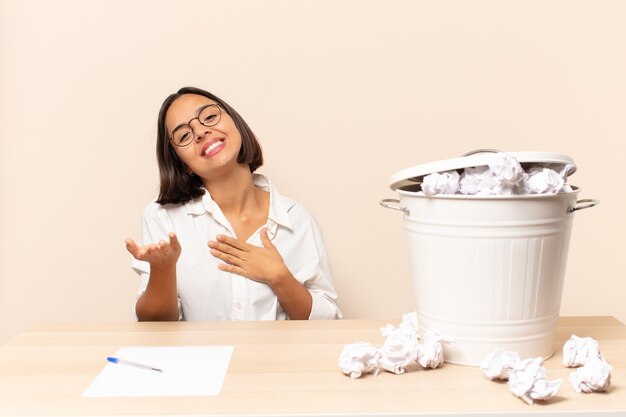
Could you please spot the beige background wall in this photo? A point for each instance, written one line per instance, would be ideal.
(342, 94)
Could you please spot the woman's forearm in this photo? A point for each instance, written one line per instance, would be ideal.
(295, 299)
(160, 300)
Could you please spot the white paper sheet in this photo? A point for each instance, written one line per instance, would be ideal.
(187, 371)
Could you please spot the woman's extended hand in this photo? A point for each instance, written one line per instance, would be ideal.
(159, 300)
(160, 255)
(263, 264)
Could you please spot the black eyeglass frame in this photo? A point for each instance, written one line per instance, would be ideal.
(188, 124)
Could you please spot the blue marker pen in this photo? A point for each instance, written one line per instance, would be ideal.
(133, 364)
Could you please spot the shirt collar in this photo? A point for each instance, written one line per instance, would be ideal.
(279, 205)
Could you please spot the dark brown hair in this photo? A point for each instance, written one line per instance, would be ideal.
(177, 186)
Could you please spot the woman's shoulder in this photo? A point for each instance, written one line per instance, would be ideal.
(298, 213)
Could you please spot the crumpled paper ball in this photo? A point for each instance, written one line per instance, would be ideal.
(577, 350)
(441, 183)
(358, 358)
(499, 364)
(430, 351)
(508, 173)
(399, 349)
(593, 376)
(477, 181)
(528, 380)
(543, 181)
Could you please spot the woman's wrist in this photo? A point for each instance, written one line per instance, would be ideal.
(280, 279)
(162, 268)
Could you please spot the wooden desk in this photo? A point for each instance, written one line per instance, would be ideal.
(283, 368)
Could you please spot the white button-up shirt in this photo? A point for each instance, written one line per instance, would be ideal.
(207, 293)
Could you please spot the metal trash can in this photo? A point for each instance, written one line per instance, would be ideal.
(488, 271)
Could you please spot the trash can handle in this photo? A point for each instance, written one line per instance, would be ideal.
(481, 151)
(392, 203)
(583, 204)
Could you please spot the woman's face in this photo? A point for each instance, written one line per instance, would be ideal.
(212, 147)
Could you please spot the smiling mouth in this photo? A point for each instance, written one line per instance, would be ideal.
(212, 147)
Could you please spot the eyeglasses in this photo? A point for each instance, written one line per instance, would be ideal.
(209, 115)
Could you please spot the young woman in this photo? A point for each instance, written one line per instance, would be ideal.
(220, 242)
